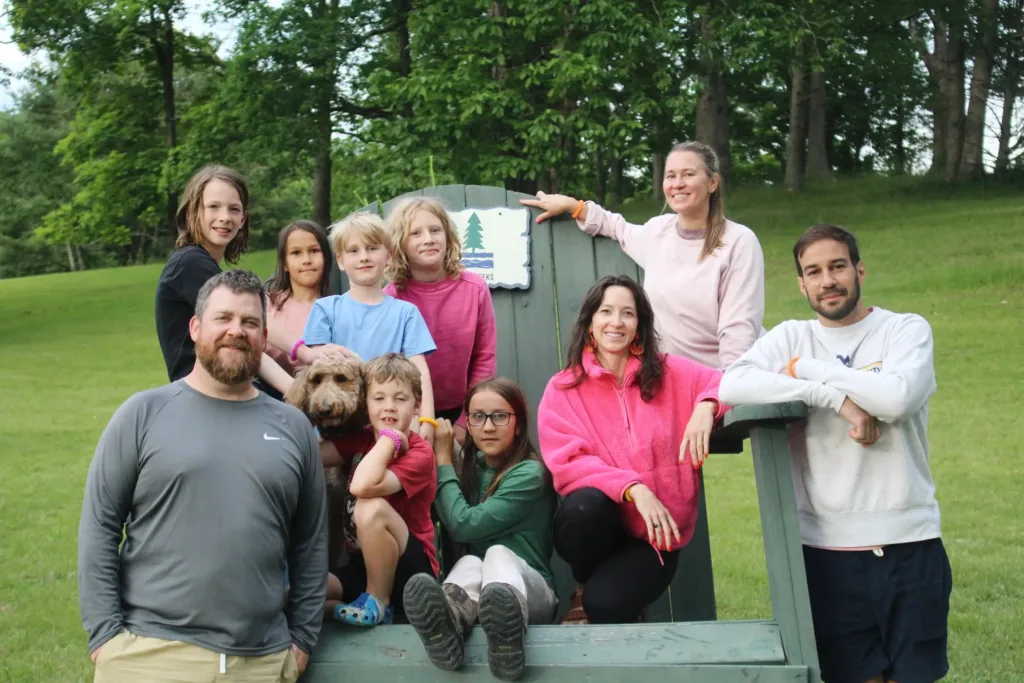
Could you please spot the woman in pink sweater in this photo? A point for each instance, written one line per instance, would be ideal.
(703, 273)
(624, 430)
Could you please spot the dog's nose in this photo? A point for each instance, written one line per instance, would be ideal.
(324, 412)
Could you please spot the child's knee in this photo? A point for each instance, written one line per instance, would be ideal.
(334, 587)
(371, 511)
(499, 555)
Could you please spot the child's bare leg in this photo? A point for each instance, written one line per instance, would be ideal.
(334, 593)
(383, 537)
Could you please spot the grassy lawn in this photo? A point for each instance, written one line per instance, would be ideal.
(74, 346)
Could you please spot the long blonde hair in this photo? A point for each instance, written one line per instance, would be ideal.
(400, 224)
(716, 209)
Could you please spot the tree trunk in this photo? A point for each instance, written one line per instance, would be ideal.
(322, 169)
(954, 91)
(797, 124)
(1005, 125)
(164, 50)
(71, 257)
(601, 173)
(818, 168)
(616, 174)
(900, 153)
(402, 42)
(658, 175)
(972, 163)
(712, 103)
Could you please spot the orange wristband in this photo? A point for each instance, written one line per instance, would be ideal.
(429, 421)
(791, 368)
(578, 211)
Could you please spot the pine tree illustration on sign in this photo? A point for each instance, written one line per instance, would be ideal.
(474, 233)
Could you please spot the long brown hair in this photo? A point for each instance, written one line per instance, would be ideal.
(400, 224)
(522, 447)
(189, 217)
(279, 287)
(716, 209)
(652, 368)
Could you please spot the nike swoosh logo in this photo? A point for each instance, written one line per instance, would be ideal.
(267, 437)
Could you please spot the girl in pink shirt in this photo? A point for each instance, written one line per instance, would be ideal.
(624, 430)
(703, 273)
(426, 270)
(301, 277)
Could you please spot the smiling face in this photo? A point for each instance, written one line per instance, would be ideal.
(615, 322)
(831, 283)
(222, 215)
(363, 262)
(426, 243)
(390, 404)
(304, 259)
(230, 336)
(687, 184)
(492, 424)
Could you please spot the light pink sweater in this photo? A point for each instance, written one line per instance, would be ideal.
(460, 316)
(710, 311)
(604, 436)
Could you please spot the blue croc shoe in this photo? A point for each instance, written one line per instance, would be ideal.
(366, 610)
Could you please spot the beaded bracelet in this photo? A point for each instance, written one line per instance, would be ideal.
(296, 348)
(394, 436)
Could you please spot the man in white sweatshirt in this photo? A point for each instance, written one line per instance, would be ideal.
(877, 572)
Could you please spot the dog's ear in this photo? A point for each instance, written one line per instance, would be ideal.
(298, 393)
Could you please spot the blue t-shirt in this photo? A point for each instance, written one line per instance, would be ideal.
(391, 326)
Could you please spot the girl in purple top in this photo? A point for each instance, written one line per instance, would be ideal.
(426, 270)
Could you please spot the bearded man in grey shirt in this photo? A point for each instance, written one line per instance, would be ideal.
(217, 490)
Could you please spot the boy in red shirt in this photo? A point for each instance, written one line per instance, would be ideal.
(392, 487)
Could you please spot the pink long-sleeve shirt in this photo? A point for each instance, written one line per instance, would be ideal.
(710, 311)
(602, 435)
(460, 316)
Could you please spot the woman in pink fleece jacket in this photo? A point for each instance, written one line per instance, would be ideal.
(703, 273)
(624, 430)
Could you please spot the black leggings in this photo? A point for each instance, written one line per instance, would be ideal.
(620, 575)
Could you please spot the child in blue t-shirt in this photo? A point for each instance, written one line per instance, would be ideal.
(364, 321)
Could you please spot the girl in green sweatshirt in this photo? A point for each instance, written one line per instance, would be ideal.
(499, 509)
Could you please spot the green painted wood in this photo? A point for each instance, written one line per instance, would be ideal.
(611, 260)
(738, 642)
(737, 422)
(780, 527)
(698, 673)
(453, 196)
(537, 342)
(505, 321)
(575, 272)
(691, 595)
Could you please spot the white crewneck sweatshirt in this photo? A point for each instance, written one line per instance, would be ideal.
(848, 495)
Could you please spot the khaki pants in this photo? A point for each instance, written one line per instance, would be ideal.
(128, 658)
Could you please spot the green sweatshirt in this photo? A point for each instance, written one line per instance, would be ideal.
(517, 515)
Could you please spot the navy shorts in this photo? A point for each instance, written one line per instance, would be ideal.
(881, 615)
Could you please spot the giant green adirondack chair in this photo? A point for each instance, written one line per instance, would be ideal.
(682, 641)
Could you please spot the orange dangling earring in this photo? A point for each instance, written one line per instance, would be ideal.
(592, 344)
(636, 349)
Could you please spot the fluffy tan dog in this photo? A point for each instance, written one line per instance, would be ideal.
(332, 394)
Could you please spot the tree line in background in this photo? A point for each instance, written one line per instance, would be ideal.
(327, 105)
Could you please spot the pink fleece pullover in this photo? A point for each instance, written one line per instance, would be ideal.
(710, 311)
(601, 435)
(460, 316)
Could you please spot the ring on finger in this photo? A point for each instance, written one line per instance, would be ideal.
(656, 525)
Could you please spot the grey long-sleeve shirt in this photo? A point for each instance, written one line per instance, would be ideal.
(215, 498)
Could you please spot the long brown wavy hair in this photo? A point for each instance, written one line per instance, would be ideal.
(279, 286)
(716, 210)
(652, 367)
(522, 447)
(189, 217)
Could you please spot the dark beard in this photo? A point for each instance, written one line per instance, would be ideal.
(841, 312)
(239, 372)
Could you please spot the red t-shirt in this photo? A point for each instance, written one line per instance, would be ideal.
(416, 470)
